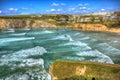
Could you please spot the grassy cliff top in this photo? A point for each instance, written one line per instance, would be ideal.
(76, 70)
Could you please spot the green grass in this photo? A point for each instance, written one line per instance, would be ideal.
(66, 70)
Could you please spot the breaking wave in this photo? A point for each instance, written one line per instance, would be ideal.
(6, 40)
(21, 55)
(98, 56)
(21, 60)
(63, 37)
(19, 34)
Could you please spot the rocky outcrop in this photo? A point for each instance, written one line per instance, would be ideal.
(76, 70)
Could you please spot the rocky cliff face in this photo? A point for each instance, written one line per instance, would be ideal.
(36, 23)
(96, 27)
(23, 23)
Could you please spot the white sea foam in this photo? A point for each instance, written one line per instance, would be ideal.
(103, 60)
(84, 38)
(77, 34)
(63, 37)
(11, 30)
(36, 73)
(69, 37)
(22, 55)
(59, 37)
(41, 32)
(6, 40)
(31, 62)
(46, 31)
(93, 40)
(74, 58)
(78, 43)
(19, 34)
(99, 56)
(108, 48)
(115, 41)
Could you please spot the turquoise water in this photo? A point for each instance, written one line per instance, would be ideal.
(23, 51)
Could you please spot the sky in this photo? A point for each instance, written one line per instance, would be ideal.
(12, 7)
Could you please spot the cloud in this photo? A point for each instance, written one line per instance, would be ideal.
(83, 8)
(53, 10)
(24, 8)
(59, 10)
(71, 9)
(63, 4)
(55, 4)
(86, 4)
(16, 10)
(47, 10)
(84, 11)
(24, 13)
(0, 11)
(102, 9)
(80, 4)
(13, 9)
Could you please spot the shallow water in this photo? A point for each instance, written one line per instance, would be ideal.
(25, 48)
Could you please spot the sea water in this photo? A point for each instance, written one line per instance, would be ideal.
(27, 54)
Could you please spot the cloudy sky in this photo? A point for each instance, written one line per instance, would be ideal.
(8, 7)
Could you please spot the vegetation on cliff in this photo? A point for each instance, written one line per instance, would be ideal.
(75, 70)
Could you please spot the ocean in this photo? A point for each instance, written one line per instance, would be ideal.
(26, 54)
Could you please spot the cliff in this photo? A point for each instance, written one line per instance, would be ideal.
(38, 23)
(23, 23)
(93, 27)
(76, 70)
